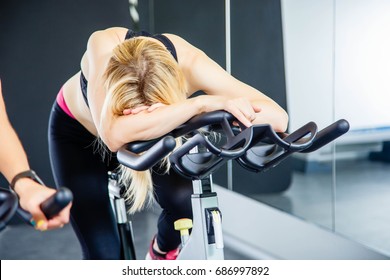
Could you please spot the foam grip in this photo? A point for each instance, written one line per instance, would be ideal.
(328, 134)
(55, 203)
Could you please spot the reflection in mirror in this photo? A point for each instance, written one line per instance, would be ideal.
(308, 53)
(362, 87)
(336, 66)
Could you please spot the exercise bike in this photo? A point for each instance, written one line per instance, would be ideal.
(256, 148)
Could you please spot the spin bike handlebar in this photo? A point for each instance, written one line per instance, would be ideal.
(50, 207)
(256, 148)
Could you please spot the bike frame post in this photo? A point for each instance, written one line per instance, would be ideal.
(124, 224)
(205, 240)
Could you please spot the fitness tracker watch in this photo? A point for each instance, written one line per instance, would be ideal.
(25, 174)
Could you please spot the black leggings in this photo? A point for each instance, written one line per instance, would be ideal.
(78, 165)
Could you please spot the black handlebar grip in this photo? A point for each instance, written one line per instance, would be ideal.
(51, 206)
(55, 203)
(328, 134)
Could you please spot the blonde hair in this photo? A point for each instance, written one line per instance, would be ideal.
(141, 72)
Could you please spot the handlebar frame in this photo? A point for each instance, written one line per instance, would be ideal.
(9, 205)
(256, 148)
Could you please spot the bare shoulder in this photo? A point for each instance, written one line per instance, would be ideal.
(104, 41)
(114, 34)
(99, 49)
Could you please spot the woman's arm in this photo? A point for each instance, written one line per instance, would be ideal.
(224, 92)
(204, 74)
(13, 160)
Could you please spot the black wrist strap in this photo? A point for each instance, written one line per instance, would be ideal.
(25, 174)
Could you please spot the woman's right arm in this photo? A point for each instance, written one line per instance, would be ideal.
(13, 160)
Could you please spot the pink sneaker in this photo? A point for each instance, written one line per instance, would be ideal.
(153, 255)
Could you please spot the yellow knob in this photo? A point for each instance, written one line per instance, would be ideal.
(183, 225)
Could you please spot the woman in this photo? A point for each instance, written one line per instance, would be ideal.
(135, 86)
(15, 168)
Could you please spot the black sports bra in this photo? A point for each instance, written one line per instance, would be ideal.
(130, 34)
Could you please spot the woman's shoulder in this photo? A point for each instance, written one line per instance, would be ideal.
(114, 32)
(106, 38)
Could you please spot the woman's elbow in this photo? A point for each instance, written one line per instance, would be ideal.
(113, 147)
(111, 141)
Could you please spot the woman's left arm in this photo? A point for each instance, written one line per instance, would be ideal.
(202, 73)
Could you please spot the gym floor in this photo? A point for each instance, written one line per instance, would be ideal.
(21, 242)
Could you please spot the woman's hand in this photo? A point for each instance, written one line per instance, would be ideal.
(245, 111)
(31, 195)
(142, 108)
